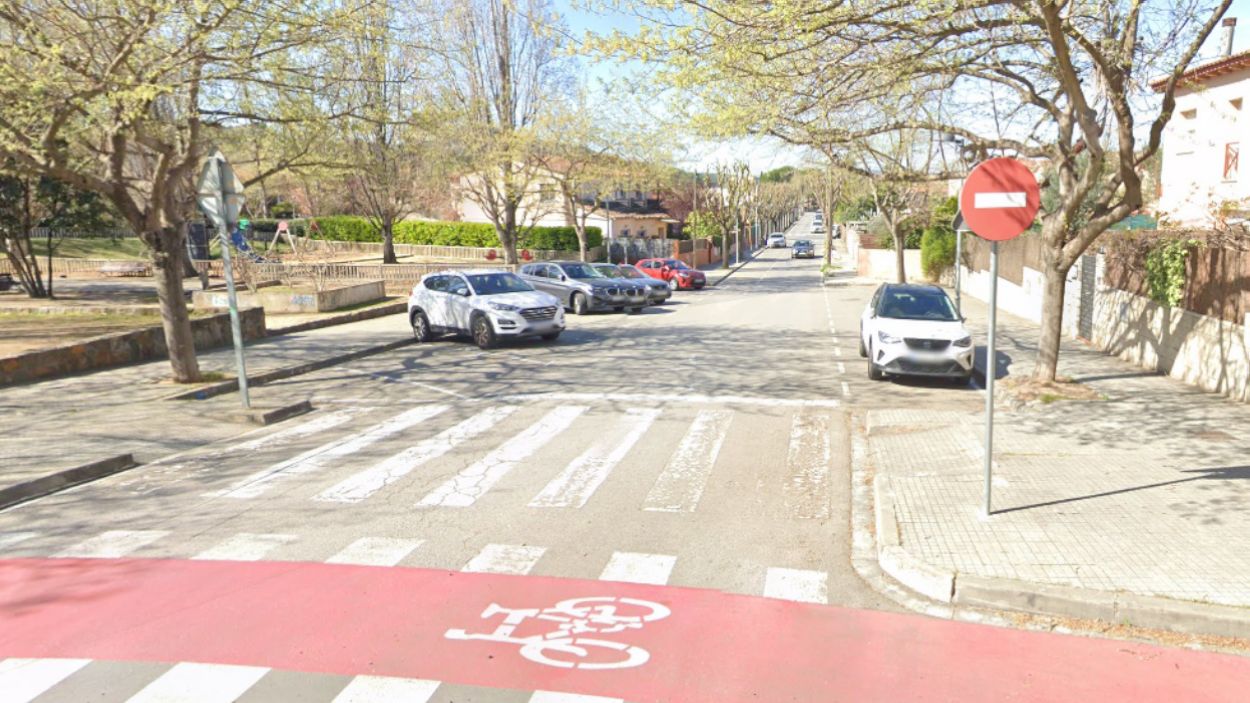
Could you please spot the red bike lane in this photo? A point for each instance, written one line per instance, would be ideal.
(631, 641)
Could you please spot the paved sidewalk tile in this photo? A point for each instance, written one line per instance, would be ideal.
(1147, 491)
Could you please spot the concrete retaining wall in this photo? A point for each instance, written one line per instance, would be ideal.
(123, 348)
(881, 263)
(296, 301)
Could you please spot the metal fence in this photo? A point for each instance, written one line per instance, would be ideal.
(632, 249)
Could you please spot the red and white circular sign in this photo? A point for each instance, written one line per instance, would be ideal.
(999, 200)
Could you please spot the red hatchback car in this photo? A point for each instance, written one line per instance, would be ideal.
(674, 272)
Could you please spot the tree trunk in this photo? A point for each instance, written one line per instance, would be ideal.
(1055, 277)
(828, 241)
(388, 241)
(167, 262)
(507, 236)
(581, 240)
(900, 254)
(724, 250)
(25, 263)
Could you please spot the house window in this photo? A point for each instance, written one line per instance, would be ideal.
(1232, 159)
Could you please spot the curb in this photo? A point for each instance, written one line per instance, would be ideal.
(262, 416)
(260, 379)
(348, 318)
(732, 270)
(969, 592)
(68, 478)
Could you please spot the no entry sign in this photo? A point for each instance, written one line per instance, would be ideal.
(1000, 199)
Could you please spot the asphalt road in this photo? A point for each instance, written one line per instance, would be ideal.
(655, 507)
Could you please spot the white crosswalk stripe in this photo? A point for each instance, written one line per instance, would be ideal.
(314, 425)
(200, 683)
(808, 470)
(557, 697)
(633, 567)
(312, 460)
(681, 484)
(375, 551)
(23, 680)
(463, 489)
(10, 539)
(581, 478)
(800, 585)
(383, 689)
(113, 544)
(245, 546)
(505, 559)
(378, 476)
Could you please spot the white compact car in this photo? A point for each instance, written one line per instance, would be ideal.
(776, 240)
(488, 305)
(913, 330)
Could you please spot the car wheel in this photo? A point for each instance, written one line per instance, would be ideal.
(579, 304)
(635, 311)
(874, 371)
(673, 284)
(551, 337)
(863, 350)
(483, 333)
(421, 327)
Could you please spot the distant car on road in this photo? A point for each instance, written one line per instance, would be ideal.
(913, 330)
(674, 272)
(488, 305)
(582, 289)
(818, 227)
(776, 240)
(803, 249)
(657, 290)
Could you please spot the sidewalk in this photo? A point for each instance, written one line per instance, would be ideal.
(1102, 508)
(65, 422)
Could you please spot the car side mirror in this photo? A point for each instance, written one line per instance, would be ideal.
(563, 277)
(465, 293)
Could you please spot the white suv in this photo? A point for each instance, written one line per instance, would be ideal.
(487, 305)
(913, 330)
(776, 240)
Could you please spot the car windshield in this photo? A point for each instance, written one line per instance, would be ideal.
(802, 243)
(608, 270)
(581, 271)
(917, 305)
(674, 263)
(496, 283)
(630, 272)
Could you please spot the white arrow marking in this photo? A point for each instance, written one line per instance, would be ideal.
(988, 201)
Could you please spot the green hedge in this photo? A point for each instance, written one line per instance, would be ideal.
(937, 245)
(351, 228)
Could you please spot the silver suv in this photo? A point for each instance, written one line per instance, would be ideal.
(487, 304)
(582, 289)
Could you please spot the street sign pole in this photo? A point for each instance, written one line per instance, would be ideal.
(991, 371)
(236, 330)
(959, 250)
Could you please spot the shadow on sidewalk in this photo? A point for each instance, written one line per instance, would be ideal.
(1221, 474)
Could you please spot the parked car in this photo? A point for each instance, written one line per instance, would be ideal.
(803, 249)
(776, 240)
(674, 272)
(489, 305)
(582, 289)
(657, 291)
(913, 330)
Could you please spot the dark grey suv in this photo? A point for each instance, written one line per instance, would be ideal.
(582, 289)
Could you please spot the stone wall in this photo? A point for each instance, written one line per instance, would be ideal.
(123, 348)
(288, 301)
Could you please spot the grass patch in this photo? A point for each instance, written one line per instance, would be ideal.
(95, 248)
(213, 376)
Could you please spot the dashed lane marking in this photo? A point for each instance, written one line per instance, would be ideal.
(505, 559)
(633, 567)
(113, 544)
(799, 585)
(370, 689)
(23, 680)
(376, 551)
(200, 683)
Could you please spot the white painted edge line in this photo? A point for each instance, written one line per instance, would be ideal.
(200, 683)
(633, 567)
(23, 680)
(846, 390)
(505, 559)
(800, 585)
(998, 201)
(691, 398)
(841, 367)
(371, 689)
(558, 697)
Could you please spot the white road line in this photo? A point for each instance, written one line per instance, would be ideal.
(633, 567)
(841, 367)
(463, 489)
(9, 539)
(23, 680)
(558, 697)
(317, 424)
(583, 476)
(505, 559)
(797, 585)
(846, 390)
(245, 546)
(396, 379)
(690, 398)
(364, 484)
(313, 459)
(113, 544)
(837, 350)
(200, 683)
(808, 472)
(375, 551)
(681, 483)
(371, 689)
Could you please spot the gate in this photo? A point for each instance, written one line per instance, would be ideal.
(1089, 279)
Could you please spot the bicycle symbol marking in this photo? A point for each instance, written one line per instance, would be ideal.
(566, 646)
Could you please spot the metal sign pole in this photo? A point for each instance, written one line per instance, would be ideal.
(236, 329)
(991, 370)
(959, 250)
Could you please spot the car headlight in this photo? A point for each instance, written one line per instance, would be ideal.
(504, 307)
(963, 341)
(887, 338)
